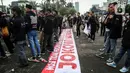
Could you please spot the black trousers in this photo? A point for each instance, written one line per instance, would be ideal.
(102, 32)
(2, 52)
(9, 44)
(60, 30)
(121, 53)
(48, 42)
(92, 36)
(78, 29)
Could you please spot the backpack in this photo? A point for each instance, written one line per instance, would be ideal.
(33, 21)
(5, 31)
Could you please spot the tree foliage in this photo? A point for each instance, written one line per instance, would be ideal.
(62, 6)
(70, 4)
(34, 4)
(127, 8)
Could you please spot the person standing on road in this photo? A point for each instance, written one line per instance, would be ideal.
(48, 32)
(102, 30)
(6, 38)
(2, 52)
(78, 24)
(60, 24)
(125, 48)
(56, 26)
(19, 35)
(31, 23)
(42, 23)
(115, 32)
(93, 25)
(113, 25)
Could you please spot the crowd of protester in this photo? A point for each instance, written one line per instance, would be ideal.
(18, 29)
(113, 26)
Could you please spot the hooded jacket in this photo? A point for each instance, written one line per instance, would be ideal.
(31, 21)
(116, 27)
(49, 24)
(18, 28)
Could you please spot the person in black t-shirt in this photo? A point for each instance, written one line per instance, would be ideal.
(48, 32)
(79, 22)
(19, 36)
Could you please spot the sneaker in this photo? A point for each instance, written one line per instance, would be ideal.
(91, 41)
(42, 59)
(28, 45)
(102, 49)
(77, 37)
(113, 64)
(22, 66)
(109, 60)
(43, 53)
(100, 55)
(124, 70)
(50, 50)
(33, 59)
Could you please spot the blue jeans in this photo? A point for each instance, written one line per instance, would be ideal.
(113, 43)
(121, 54)
(107, 33)
(107, 42)
(111, 46)
(33, 41)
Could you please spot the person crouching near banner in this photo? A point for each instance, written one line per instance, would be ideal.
(18, 31)
(125, 48)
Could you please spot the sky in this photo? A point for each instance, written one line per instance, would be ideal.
(84, 5)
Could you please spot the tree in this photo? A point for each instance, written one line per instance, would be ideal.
(127, 8)
(63, 11)
(48, 1)
(63, 2)
(71, 11)
(59, 5)
(70, 5)
(34, 4)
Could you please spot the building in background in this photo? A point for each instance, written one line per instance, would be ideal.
(77, 6)
(96, 5)
(111, 1)
(19, 3)
(128, 1)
